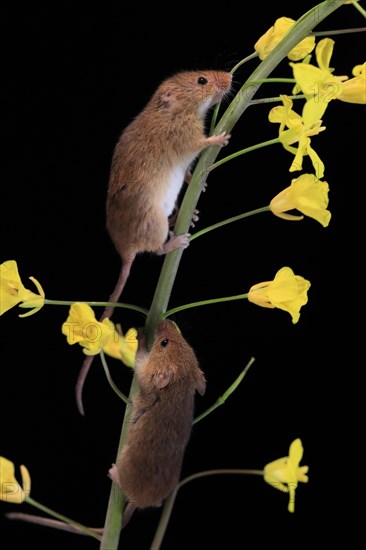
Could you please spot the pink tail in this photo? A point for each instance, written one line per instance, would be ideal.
(108, 312)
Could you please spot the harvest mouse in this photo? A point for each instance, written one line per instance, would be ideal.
(149, 165)
(151, 160)
(149, 464)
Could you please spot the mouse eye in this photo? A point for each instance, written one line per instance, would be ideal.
(202, 80)
(164, 342)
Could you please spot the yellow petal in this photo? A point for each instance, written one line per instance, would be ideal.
(314, 110)
(318, 164)
(274, 472)
(354, 89)
(302, 49)
(11, 286)
(359, 69)
(123, 347)
(275, 34)
(82, 327)
(296, 452)
(306, 194)
(10, 490)
(129, 348)
(26, 480)
(12, 290)
(323, 53)
(288, 292)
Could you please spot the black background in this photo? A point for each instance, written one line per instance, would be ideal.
(72, 81)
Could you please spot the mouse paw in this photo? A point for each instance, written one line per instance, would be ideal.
(113, 474)
(174, 242)
(195, 218)
(221, 139)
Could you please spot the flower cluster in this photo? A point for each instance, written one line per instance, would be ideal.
(81, 327)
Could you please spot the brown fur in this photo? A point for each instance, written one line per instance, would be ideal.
(149, 165)
(149, 465)
(169, 132)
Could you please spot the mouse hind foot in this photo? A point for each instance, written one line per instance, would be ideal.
(174, 242)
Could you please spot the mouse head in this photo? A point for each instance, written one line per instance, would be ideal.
(170, 360)
(195, 90)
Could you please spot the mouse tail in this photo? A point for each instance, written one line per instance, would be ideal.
(114, 297)
(122, 279)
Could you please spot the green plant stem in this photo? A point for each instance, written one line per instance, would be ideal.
(359, 8)
(234, 111)
(275, 99)
(221, 400)
(217, 107)
(169, 503)
(340, 31)
(117, 500)
(64, 519)
(95, 304)
(248, 58)
(227, 221)
(243, 152)
(109, 378)
(203, 303)
(270, 80)
(54, 523)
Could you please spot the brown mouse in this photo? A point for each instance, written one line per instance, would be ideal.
(150, 163)
(149, 464)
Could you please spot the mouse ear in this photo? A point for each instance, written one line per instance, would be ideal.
(201, 385)
(162, 378)
(165, 99)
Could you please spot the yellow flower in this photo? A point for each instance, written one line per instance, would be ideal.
(12, 290)
(274, 35)
(306, 194)
(284, 473)
(354, 89)
(123, 347)
(81, 327)
(317, 83)
(297, 132)
(287, 292)
(10, 489)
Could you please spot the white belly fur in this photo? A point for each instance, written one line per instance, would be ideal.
(172, 188)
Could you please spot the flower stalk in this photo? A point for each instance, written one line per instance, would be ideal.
(236, 108)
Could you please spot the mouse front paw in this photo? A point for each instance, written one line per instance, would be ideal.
(220, 140)
(113, 474)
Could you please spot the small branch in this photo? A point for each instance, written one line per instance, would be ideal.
(275, 99)
(55, 524)
(338, 31)
(169, 503)
(109, 378)
(243, 152)
(63, 519)
(248, 58)
(221, 400)
(204, 303)
(96, 304)
(229, 220)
